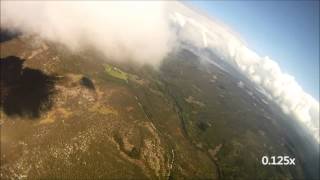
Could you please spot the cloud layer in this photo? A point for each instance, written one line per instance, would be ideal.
(141, 32)
(121, 30)
(265, 72)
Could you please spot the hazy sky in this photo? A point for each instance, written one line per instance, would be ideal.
(286, 31)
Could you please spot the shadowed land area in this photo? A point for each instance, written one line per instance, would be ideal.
(7, 35)
(24, 91)
(87, 82)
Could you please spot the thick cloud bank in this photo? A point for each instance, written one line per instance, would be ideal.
(265, 72)
(142, 32)
(121, 30)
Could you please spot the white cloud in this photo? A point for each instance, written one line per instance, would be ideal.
(265, 72)
(122, 30)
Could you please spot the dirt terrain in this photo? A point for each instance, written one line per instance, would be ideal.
(77, 115)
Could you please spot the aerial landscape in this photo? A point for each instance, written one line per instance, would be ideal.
(150, 102)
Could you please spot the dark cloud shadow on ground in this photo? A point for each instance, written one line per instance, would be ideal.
(25, 92)
(6, 35)
(86, 82)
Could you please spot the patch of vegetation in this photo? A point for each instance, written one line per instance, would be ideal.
(116, 73)
(98, 108)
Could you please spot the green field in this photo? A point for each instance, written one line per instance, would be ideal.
(116, 73)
